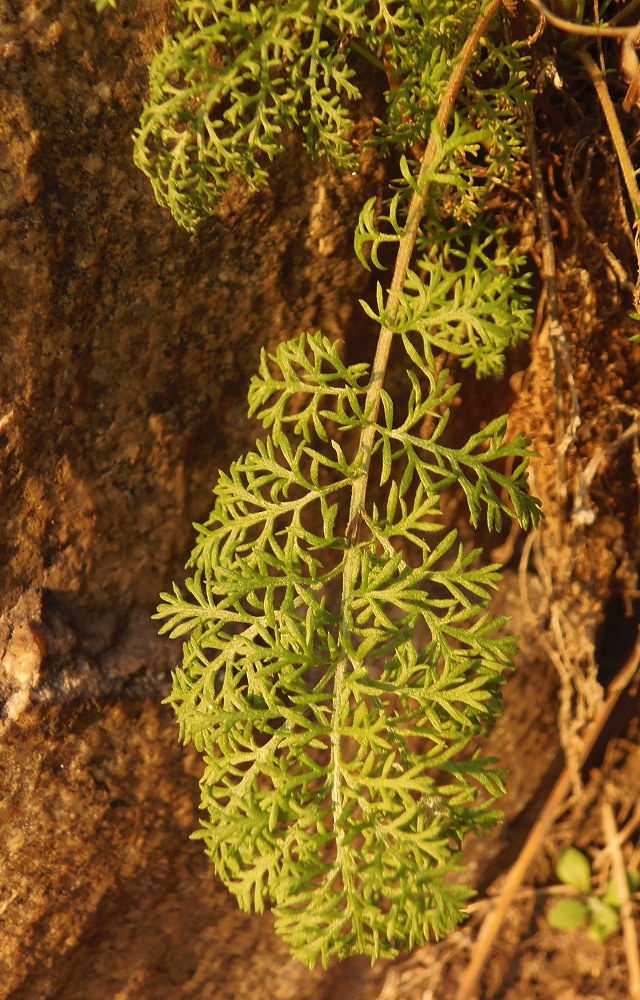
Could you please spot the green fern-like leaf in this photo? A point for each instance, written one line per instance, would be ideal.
(418, 42)
(237, 76)
(339, 654)
(335, 787)
(224, 89)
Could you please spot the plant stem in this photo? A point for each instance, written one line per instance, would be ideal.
(600, 84)
(372, 406)
(585, 30)
(629, 933)
(468, 986)
(405, 252)
(362, 51)
(625, 12)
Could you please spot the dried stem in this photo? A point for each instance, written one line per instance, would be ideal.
(601, 245)
(600, 84)
(493, 922)
(585, 30)
(629, 933)
(563, 438)
(372, 402)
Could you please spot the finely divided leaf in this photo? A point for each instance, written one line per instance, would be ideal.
(336, 785)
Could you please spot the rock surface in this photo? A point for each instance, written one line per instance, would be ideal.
(126, 348)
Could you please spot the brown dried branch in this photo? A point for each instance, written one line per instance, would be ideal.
(582, 513)
(629, 932)
(600, 84)
(586, 30)
(493, 922)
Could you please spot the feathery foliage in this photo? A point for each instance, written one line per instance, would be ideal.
(226, 88)
(332, 731)
(339, 656)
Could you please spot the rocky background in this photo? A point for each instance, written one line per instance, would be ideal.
(126, 347)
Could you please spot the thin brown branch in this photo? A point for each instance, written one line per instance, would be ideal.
(621, 837)
(583, 514)
(616, 266)
(600, 84)
(629, 933)
(493, 922)
(627, 11)
(585, 30)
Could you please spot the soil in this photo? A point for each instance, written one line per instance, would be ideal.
(126, 349)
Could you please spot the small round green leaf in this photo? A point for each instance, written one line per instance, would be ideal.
(574, 869)
(605, 920)
(568, 914)
(611, 895)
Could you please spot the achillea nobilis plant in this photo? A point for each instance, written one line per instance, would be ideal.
(339, 656)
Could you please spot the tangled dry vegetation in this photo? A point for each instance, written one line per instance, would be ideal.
(577, 400)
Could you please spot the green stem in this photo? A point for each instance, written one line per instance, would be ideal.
(405, 252)
(355, 45)
(372, 403)
(600, 84)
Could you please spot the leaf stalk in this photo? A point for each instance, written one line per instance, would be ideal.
(372, 403)
(405, 252)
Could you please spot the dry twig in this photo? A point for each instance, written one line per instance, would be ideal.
(626, 908)
(610, 30)
(493, 922)
(621, 837)
(583, 514)
(600, 85)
